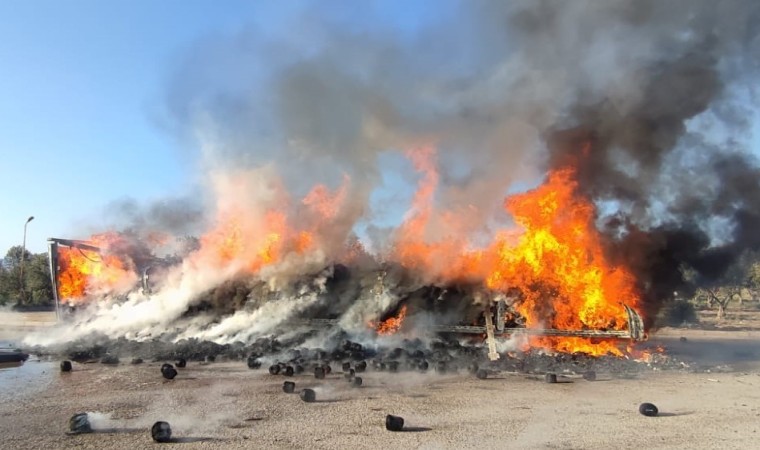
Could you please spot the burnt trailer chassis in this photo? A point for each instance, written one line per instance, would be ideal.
(492, 331)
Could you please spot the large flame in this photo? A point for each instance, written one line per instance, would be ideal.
(559, 267)
(85, 272)
(552, 264)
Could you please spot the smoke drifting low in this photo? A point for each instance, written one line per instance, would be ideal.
(646, 100)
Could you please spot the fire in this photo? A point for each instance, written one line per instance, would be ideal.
(555, 260)
(84, 272)
(559, 266)
(392, 324)
(552, 263)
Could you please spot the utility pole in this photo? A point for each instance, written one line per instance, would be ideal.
(23, 254)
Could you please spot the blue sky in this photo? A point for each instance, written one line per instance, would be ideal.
(79, 84)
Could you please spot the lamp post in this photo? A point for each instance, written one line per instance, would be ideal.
(23, 253)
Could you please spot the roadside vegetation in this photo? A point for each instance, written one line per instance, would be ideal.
(36, 289)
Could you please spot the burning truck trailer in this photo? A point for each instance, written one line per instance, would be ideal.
(469, 312)
(98, 259)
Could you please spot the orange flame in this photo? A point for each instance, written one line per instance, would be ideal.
(84, 272)
(560, 268)
(392, 324)
(556, 261)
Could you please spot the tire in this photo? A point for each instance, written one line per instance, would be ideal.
(319, 373)
(356, 382)
(346, 366)
(289, 371)
(423, 366)
(181, 363)
(361, 366)
(274, 369)
(550, 378)
(65, 366)
(648, 409)
(288, 387)
(482, 374)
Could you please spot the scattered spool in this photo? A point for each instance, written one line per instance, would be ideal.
(356, 382)
(161, 432)
(589, 376)
(136, 361)
(394, 423)
(319, 373)
(361, 366)
(110, 360)
(253, 362)
(289, 371)
(550, 378)
(65, 366)
(482, 374)
(80, 423)
(181, 363)
(648, 409)
(288, 387)
(274, 369)
(308, 395)
(168, 371)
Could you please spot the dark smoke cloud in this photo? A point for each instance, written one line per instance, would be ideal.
(179, 216)
(505, 90)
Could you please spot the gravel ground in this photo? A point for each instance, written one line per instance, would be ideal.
(226, 405)
(713, 402)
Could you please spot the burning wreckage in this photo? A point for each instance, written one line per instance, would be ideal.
(108, 263)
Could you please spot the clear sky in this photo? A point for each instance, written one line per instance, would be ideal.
(79, 84)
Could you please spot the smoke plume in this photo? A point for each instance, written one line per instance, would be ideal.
(648, 101)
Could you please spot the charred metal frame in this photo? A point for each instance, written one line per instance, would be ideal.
(635, 331)
(53, 244)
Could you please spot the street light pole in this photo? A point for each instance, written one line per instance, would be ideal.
(23, 253)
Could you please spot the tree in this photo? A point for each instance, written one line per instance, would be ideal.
(38, 283)
(38, 286)
(721, 296)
